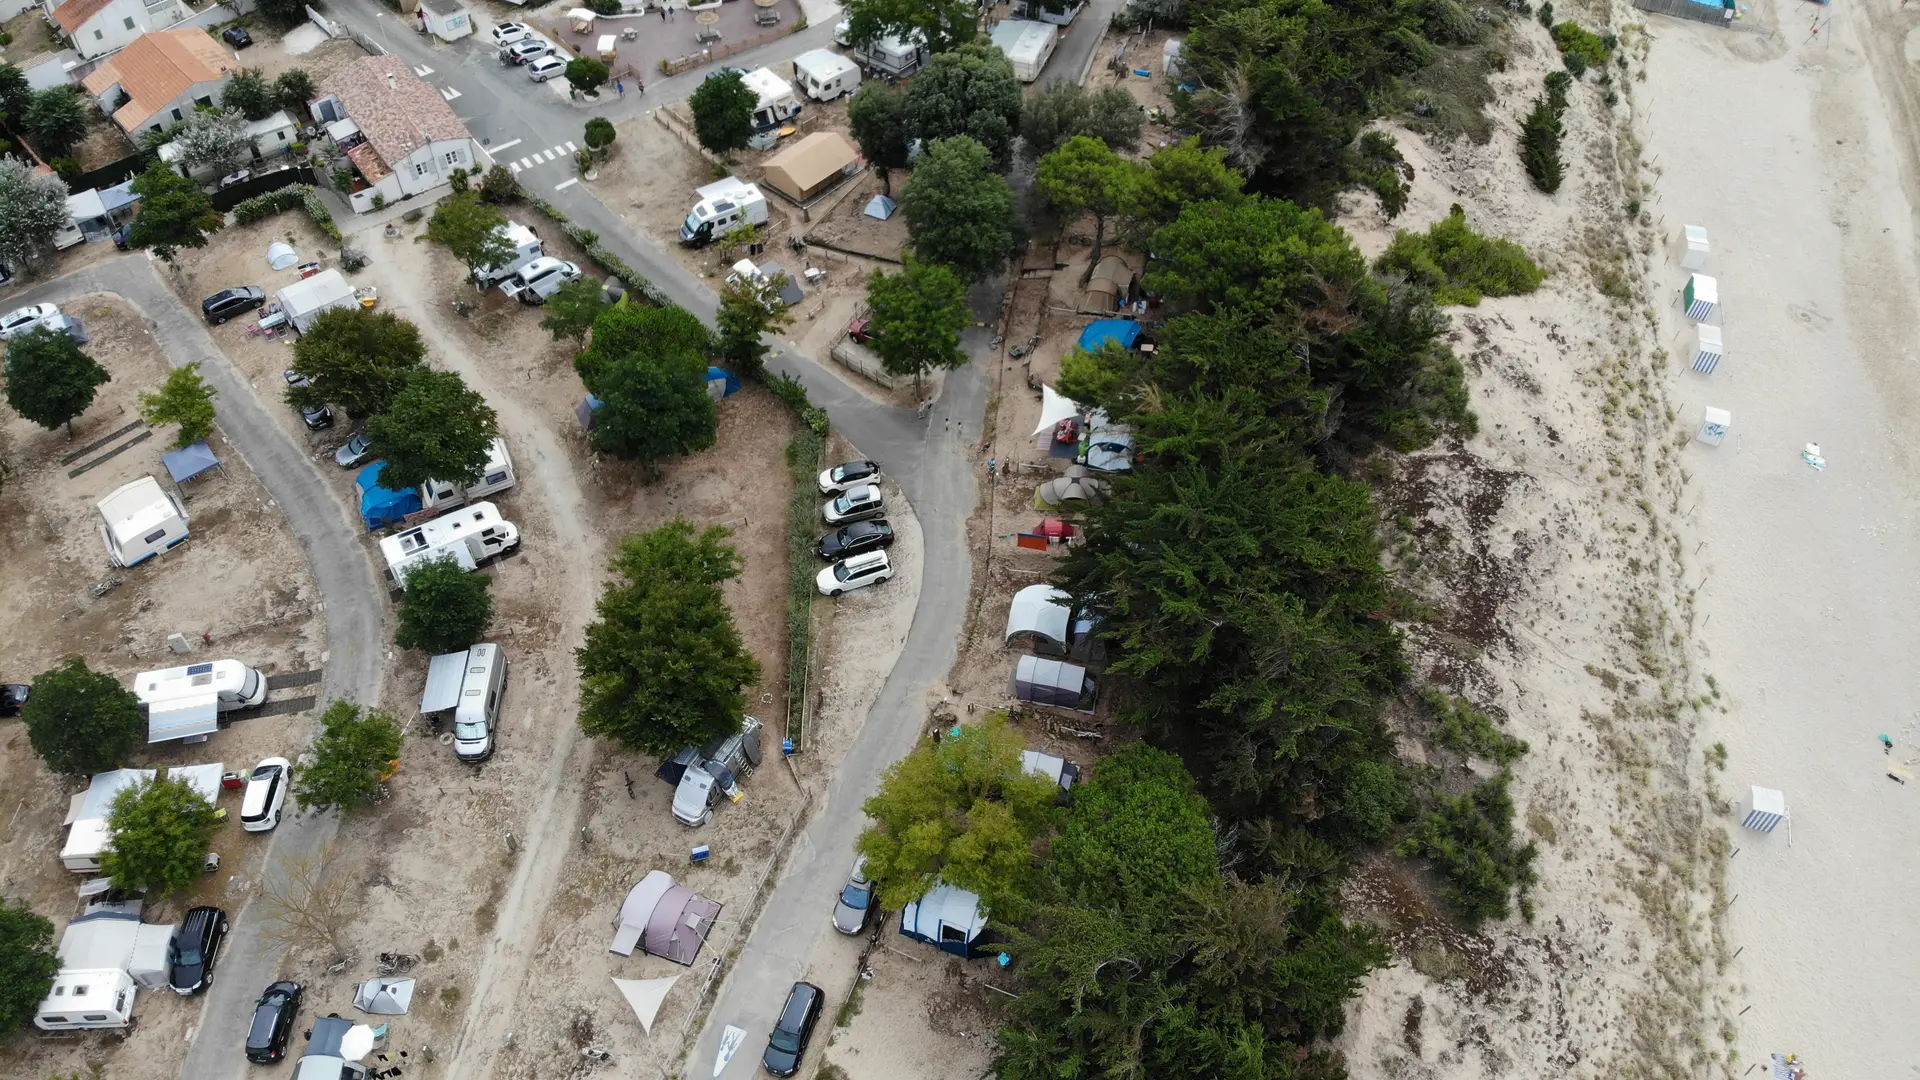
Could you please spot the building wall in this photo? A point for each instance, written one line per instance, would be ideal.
(198, 93)
(449, 27)
(112, 29)
(429, 166)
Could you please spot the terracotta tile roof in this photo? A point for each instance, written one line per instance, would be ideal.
(157, 68)
(397, 110)
(368, 159)
(74, 14)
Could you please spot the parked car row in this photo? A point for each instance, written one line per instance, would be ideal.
(857, 550)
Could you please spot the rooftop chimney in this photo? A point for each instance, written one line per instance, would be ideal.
(392, 84)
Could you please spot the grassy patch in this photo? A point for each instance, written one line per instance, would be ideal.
(1470, 842)
(1449, 97)
(803, 457)
(850, 1008)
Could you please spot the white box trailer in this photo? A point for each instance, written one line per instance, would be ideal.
(725, 207)
(824, 75)
(892, 57)
(1027, 45)
(303, 301)
(139, 520)
(469, 536)
(87, 811)
(776, 104)
(499, 476)
(526, 248)
(186, 702)
(97, 999)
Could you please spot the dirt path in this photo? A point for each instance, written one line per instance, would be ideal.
(546, 478)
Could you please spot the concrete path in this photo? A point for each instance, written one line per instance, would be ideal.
(350, 597)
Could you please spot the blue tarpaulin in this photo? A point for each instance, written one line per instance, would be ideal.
(1123, 331)
(189, 461)
(728, 378)
(584, 411)
(379, 506)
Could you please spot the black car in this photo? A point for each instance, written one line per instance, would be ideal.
(856, 538)
(227, 303)
(13, 696)
(788, 1043)
(194, 948)
(317, 417)
(236, 36)
(273, 1017)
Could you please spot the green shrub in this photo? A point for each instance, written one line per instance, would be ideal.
(803, 457)
(1546, 14)
(498, 186)
(1540, 146)
(1558, 83)
(1470, 731)
(1469, 840)
(1458, 264)
(265, 206)
(1581, 48)
(1376, 163)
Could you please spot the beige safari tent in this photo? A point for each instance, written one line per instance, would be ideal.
(812, 166)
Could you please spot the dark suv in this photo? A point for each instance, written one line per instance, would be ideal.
(273, 1017)
(195, 947)
(315, 417)
(227, 303)
(856, 538)
(788, 1043)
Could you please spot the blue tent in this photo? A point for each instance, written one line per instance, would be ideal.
(379, 506)
(584, 411)
(726, 378)
(1124, 331)
(190, 461)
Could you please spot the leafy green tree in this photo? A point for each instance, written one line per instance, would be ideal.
(1459, 265)
(472, 230)
(284, 13)
(571, 311)
(587, 75)
(963, 812)
(498, 186)
(970, 91)
(1063, 110)
(663, 666)
(174, 213)
(49, 380)
(648, 367)
(185, 399)
(1180, 176)
(1540, 136)
(1260, 254)
(959, 211)
(159, 832)
(28, 964)
(749, 310)
(215, 138)
(354, 752)
(295, 89)
(943, 24)
(444, 609)
(917, 317)
(878, 118)
(357, 359)
(600, 134)
(723, 112)
(251, 93)
(81, 721)
(57, 119)
(32, 210)
(435, 429)
(1086, 177)
(1139, 836)
(1470, 841)
(16, 93)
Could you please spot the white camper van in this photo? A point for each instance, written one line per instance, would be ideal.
(140, 520)
(887, 57)
(1027, 45)
(469, 536)
(87, 1000)
(526, 248)
(724, 207)
(440, 495)
(776, 104)
(469, 685)
(824, 75)
(185, 702)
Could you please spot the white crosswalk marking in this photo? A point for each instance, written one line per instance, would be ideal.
(423, 71)
(526, 163)
(546, 155)
(515, 166)
(504, 146)
(449, 93)
(568, 184)
(572, 149)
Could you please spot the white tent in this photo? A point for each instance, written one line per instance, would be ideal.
(646, 996)
(1043, 611)
(384, 997)
(280, 255)
(1054, 407)
(303, 301)
(637, 909)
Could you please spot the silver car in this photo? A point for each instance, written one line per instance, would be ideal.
(353, 452)
(856, 903)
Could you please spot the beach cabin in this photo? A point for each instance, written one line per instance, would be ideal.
(1702, 295)
(1708, 349)
(140, 520)
(1693, 248)
(1713, 426)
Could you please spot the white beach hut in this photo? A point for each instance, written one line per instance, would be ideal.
(1708, 348)
(1765, 809)
(1713, 426)
(1702, 296)
(1693, 247)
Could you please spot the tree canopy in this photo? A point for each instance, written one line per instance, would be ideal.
(472, 230)
(356, 359)
(587, 74)
(444, 609)
(917, 316)
(1084, 176)
(28, 964)
(970, 91)
(58, 120)
(648, 367)
(159, 832)
(959, 211)
(1063, 110)
(435, 428)
(570, 312)
(663, 666)
(1179, 176)
(215, 138)
(963, 812)
(174, 213)
(880, 123)
(49, 380)
(355, 750)
(749, 310)
(722, 108)
(81, 721)
(942, 24)
(184, 399)
(252, 93)
(296, 88)
(32, 210)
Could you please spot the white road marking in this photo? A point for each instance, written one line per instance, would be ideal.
(503, 146)
(526, 163)
(515, 166)
(449, 93)
(423, 71)
(568, 184)
(572, 149)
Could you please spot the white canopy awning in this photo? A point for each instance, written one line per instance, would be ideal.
(646, 997)
(1054, 407)
(183, 717)
(444, 673)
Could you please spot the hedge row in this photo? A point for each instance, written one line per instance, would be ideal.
(248, 211)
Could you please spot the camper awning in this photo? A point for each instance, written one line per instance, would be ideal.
(444, 673)
(184, 718)
(189, 461)
(1054, 407)
(1041, 610)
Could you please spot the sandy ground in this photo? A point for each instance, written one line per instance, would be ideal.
(241, 578)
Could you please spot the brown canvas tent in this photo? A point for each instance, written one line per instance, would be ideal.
(1107, 289)
(812, 165)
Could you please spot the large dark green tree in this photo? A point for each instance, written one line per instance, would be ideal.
(159, 832)
(648, 367)
(942, 24)
(28, 964)
(663, 666)
(749, 310)
(174, 213)
(474, 231)
(1085, 176)
(878, 118)
(252, 93)
(1177, 177)
(959, 210)
(435, 428)
(917, 317)
(970, 91)
(49, 380)
(1063, 110)
(357, 359)
(722, 107)
(58, 120)
(445, 608)
(356, 749)
(82, 721)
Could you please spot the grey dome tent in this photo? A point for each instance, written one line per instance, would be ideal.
(384, 997)
(1053, 682)
(880, 207)
(667, 920)
(1042, 612)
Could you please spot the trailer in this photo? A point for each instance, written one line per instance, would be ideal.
(139, 520)
(775, 104)
(86, 823)
(469, 536)
(1027, 45)
(824, 75)
(498, 476)
(304, 300)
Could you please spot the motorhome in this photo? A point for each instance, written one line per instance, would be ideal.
(469, 536)
(184, 702)
(438, 495)
(469, 685)
(887, 57)
(776, 104)
(95, 999)
(139, 520)
(724, 207)
(526, 248)
(324, 1058)
(824, 75)
(86, 823)
(700, 775)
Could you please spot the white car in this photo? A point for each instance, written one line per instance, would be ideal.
(867, 568)
(266, 793)
(539, 279)
(21, 320)
(854, 504)
(545, 68)
(843, 476)
(507, 33)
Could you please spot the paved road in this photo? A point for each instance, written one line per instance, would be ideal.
(352, 599)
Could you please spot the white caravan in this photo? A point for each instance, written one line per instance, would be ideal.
(469, 536)
(776, 104)
(824, 75)
(87, 1000)
(140, 520)
(440, 495)
(185, 702)
(87, 811)
(526, 248)
(1027, 45)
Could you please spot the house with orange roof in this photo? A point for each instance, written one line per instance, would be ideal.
(157, 80)
(400, 134)
(98, 27)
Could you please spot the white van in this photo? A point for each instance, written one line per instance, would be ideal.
(499, 476)
(731, 208)
(539, 279)
(526, 248)
(475, 718)
(824, 75)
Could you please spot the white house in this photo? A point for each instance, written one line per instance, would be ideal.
(272, 135)
(447, 20)
(400, 134)
(98, 27)
(155, 82)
